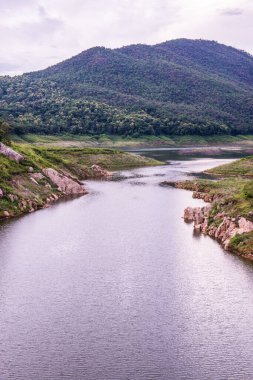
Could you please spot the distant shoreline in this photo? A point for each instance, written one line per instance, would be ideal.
(114, 141)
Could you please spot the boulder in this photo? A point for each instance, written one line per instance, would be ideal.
(65, 184)
(37, 176)
(8, 152)
(99, 172)
(189, 214)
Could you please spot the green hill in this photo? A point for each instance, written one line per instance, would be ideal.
(175, 88)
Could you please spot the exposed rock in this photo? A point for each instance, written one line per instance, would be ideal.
(196, 214)
(99, 172)
(200, 195)
(6, 214)
(8, 152)
(34, 180)
(30, 169)
(55, 196)
(37, 176)
(65, 184)
(12, 197)
(22, 205)
(223, 231)
(189, 214)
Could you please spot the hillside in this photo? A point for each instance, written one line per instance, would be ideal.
(175, 88)
(34, 177)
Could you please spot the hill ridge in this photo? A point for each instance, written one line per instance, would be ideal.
(180, 86)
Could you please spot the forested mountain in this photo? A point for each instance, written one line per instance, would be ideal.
(177, 87)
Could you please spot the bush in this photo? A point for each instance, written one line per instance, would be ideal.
(4, 130)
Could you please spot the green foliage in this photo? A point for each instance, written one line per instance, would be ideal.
(234, 189)
(242, 167)
(4, 130)
(181, 87)
(242, 244)
(247, 192)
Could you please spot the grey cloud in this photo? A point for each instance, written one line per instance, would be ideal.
(14, 4)
(232, 12)
(39, 30)
(39, 33)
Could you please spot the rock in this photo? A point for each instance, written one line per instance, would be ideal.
(34, 180)
(22, 205)
(12, 197)
(6, 214)
(8, 152)
(225, 231)
(189, 214)
(200, 195)
(99, 172)
(65, 184)
(37, 176)
(198, 215)
(30, 169)
(1, 193)
(205, 226)
(245, 225)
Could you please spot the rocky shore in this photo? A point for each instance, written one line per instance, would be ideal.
(233, 232)
(30, 188)
(220, 227)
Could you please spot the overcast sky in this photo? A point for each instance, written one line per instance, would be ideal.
(39, 33)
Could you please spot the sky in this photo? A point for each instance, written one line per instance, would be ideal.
(36, 34)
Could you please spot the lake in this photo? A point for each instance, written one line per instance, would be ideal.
(115, 286)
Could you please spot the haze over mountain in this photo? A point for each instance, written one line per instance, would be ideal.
(177, 87)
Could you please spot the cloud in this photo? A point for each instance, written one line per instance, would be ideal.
(8, 67)
(232, 12)
(39, 33)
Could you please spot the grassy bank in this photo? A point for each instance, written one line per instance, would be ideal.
(232, 194)
(24, 187)
(145, 141)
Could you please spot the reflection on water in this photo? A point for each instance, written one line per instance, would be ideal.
(186, 154)
(115, 286)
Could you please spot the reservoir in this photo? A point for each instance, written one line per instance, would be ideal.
(115, 286)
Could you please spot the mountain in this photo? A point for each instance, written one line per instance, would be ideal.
(176, 87)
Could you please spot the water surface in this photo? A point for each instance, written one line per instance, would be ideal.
(115, 286)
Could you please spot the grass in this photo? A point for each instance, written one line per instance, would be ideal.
(121, 141)
(240, 168)
(76, 162)
(233, 194)
(242, 244)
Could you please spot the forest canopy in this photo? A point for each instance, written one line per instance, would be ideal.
(179, 87)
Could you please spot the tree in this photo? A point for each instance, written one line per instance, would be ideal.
(4, 130)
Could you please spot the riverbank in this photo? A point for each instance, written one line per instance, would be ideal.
(229, 216)
(113, 141)
(34, 177)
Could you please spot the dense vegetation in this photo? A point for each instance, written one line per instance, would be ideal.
(4, 130)
(179, 87)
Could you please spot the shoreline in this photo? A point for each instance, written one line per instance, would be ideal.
(34, 177)
(114, 141)
(210, 220)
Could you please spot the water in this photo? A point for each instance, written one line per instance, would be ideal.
(115, 286)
